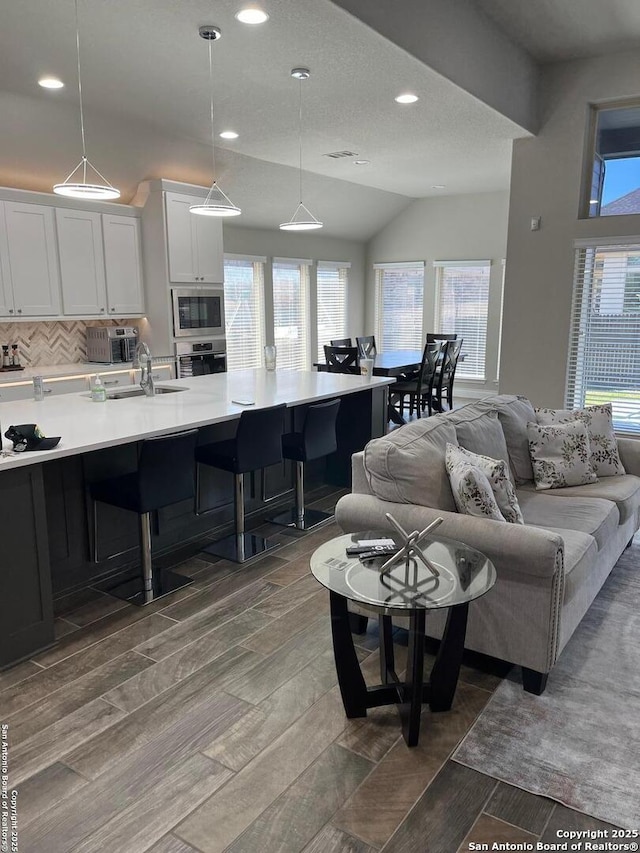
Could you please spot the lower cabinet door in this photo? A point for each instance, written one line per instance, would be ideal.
(26, 622)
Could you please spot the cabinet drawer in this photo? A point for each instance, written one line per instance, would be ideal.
(15, 392)
(116, 380)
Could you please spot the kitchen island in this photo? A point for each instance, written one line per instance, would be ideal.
(45, 536)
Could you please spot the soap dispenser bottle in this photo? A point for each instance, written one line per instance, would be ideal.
(98, 391)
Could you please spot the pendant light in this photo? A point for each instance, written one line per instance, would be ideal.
(217, 202)
(302, 219)
(71, 186)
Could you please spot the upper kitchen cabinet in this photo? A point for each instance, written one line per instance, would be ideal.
(194, 243)
(123, 265)
(29, 261)
(81, 262)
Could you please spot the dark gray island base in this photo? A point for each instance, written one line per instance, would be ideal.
(47, 538)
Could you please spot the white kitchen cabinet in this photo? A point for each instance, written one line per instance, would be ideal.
(6, 297)
(194, 243)
(30, 266)
(122, 259)
(81, 262)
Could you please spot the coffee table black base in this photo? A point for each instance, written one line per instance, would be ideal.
(413, 692)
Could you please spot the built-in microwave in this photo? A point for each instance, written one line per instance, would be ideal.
(198, 311)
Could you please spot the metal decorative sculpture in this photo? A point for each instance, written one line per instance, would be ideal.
(409, 549)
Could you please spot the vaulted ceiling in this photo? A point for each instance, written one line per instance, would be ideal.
(145, 84)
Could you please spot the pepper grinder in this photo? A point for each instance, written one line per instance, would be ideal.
(6, 359)
(15, 355)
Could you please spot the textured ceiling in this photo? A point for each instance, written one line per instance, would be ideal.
(145, 67)
(552, 30)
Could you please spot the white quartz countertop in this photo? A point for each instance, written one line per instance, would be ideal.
(85, 425)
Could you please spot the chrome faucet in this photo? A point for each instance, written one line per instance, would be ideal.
(143, 357)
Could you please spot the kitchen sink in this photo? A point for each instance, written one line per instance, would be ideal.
(126, 393)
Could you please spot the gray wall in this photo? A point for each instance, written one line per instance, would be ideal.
(464, 227)
(280, 244)
(546, 182)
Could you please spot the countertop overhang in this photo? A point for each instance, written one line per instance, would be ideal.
(85, 426)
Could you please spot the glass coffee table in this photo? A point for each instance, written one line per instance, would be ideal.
(464, 574)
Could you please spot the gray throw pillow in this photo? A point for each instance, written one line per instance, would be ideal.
(560, 455)
(602, 440)
(495, 470)
(471, 489)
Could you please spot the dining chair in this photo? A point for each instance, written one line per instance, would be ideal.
(341, 342)
(342, 359)
(420, 390)
(446, 375)
(433, 337)
(367, 346)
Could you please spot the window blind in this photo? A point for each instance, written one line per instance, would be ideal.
(332, 283)
(462, 306)
(399, 302)
(604, 347)
(291, 313)
(244, 310)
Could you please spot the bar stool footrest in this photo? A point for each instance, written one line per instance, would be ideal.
(163, 583)
(310, 518)
(240, 547)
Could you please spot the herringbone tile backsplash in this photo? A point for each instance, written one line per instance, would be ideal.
(59, 342)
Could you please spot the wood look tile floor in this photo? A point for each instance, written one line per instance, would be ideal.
(211, 721)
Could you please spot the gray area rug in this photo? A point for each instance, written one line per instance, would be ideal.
(578, 743)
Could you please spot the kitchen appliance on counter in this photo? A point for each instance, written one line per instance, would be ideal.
(201, 358)
(111, 344)
(198, 311)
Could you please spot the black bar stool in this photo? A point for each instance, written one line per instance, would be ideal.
(318, 438)
(164, 477)
(257, 444)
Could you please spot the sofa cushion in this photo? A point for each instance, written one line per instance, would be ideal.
(407, 466)
(481, 432)
(514, 414)
(472, 491)
(495, 471)
(560, 455)
(597, 517)
(623, 490)
(602, 440)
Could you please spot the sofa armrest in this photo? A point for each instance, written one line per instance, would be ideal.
(514, 547)
(359, 482)
(629, 450)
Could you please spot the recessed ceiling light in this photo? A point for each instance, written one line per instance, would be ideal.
(361, 162)
(229, 134)
(252, 15)
(50, 83)
(594, 201)
(438, 186)
(407, 98)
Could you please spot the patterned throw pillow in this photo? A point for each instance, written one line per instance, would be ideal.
(560, 455)
(471, 489)
(497, 473)
(602, 440)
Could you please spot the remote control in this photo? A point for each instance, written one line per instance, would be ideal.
(378, 552)
(356, 550)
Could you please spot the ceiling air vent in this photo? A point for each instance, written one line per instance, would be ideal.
(338, 155)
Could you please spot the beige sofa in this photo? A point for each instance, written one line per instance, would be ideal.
(549, 570)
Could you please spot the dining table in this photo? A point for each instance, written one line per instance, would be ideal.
(394, 363)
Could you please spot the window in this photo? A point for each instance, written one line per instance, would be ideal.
(332, 282)
(604, 353)
(244, 310)
(613, 178)
(291, 313)
(399, 301)
(462, 307)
